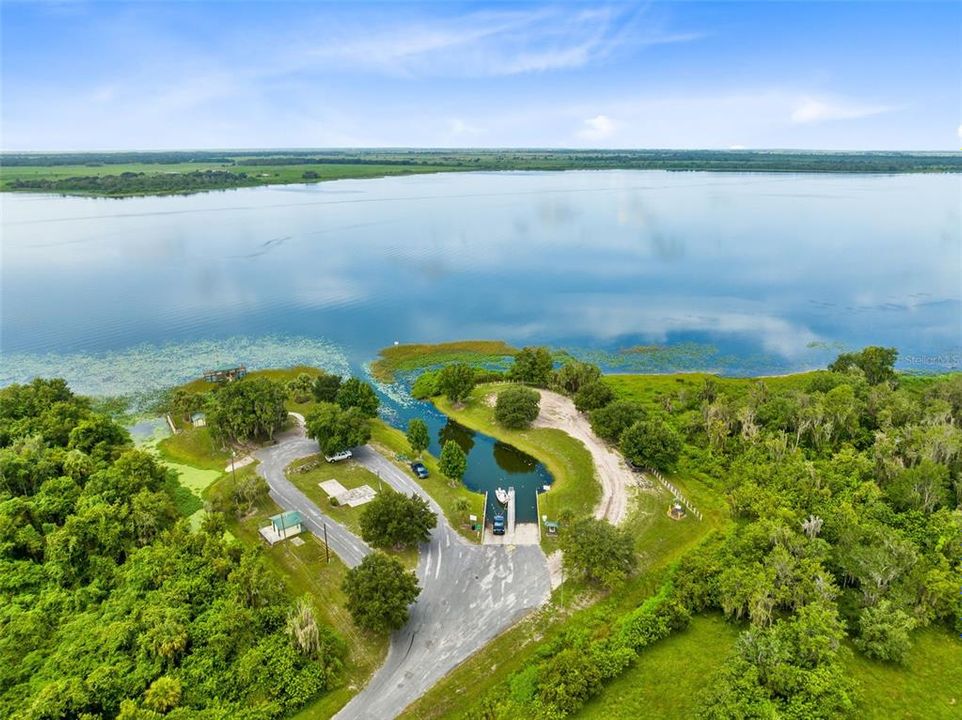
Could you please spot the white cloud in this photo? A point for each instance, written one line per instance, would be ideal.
(813, 110)
(736, 147)
(459, 129)
(598, 127)
(492, 44)
(960, 131)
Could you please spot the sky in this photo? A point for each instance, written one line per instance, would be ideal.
(167, 75)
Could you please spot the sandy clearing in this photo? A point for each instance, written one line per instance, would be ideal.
(559, 412)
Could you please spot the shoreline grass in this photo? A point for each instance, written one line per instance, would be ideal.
(406, 358)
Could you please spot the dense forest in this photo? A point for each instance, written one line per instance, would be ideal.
(843, 487)
(111, 605)
(137, 183)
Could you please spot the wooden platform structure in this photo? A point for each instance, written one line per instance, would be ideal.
(225, 374)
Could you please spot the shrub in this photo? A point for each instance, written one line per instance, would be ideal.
(516, 407)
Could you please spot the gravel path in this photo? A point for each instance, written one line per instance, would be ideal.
(558, 411)
(470, 593)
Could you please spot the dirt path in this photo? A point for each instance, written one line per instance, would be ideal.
(558, 411)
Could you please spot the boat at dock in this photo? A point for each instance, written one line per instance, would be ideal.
(502, 495)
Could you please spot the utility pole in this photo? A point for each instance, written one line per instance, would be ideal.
(233, 465)
(327, 551)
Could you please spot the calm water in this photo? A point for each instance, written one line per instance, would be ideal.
(737, 273)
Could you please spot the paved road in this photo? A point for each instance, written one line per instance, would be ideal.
(291, 446)
(470, 593)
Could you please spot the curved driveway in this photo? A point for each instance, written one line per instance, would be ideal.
(470, 593)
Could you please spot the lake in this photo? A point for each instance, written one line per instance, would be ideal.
(636, 270)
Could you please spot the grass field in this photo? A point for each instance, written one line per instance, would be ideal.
(575, 486)
(666, 681)
(406, 358)
(391, 442)
(351, 475)
(927, 687)
(193, 446)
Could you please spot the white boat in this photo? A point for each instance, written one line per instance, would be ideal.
(502, 495)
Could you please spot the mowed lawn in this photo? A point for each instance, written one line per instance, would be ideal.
(349, 474)
(666, 680)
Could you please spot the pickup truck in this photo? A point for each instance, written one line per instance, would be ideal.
(419, 470)
(338, 456)
(497, 525)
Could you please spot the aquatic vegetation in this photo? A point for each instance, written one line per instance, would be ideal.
(143, 371)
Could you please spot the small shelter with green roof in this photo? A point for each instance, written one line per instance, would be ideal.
(283, 526)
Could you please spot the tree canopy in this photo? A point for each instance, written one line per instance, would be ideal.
(453, 462)
(248, 409)
(456, 381)
(651, 443)
(878, 363)
(532, 365)
(417, 435)
(394, 520)
(598, 551)
(113, 606)
(355, 393)
(379, 591)
(336, 429)
(516, 407)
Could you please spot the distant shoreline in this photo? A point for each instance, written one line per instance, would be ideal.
(133, 174)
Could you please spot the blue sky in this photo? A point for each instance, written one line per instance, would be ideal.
(151, 75)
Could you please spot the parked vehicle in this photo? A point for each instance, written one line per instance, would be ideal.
(497, 525)
(337, 457)
(420, 470)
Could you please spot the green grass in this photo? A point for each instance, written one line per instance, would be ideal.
(575, 486)
(405, 358)
(928, 686)
(391, 441)
(193, 446)
(666, 681)
(351, 475)
(257, 175)
(304, 570)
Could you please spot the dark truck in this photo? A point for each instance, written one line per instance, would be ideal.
(497, 525)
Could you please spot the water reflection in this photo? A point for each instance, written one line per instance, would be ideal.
(762, 265)
(463, 436)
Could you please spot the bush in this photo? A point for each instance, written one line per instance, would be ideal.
(884, 632)
(592, 396)
(610, 421)
(598, 551)
(456, 382)
(652, 443)
(516, 407)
